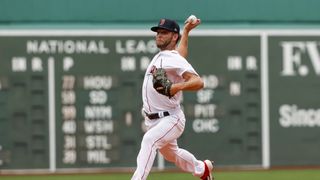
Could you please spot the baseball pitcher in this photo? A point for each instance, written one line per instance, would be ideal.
(168, 75)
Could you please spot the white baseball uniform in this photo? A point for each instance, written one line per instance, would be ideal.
(163, 132)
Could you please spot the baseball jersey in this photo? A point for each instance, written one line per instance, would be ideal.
(175, 65)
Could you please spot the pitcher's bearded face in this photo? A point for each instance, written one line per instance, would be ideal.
(164, 38)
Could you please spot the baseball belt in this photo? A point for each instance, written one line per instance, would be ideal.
(157, 115)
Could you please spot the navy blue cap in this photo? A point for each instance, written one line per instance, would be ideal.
(167, 24)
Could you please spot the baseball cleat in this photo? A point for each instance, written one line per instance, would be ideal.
(207, 175)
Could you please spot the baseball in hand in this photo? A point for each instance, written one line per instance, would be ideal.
(192, 19)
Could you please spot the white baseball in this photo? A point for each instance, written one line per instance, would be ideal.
(192, 19)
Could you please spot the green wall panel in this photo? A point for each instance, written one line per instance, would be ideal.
(142, 11)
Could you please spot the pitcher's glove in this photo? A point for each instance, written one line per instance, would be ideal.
(161, 83)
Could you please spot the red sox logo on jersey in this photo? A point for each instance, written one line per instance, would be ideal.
(153, 69)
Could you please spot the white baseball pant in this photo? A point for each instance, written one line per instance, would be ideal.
(163, 135)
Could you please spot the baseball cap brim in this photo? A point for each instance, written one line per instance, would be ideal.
(155, 28)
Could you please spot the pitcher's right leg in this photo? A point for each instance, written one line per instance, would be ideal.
(183, 159)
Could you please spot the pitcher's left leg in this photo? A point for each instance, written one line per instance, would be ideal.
(167, 130)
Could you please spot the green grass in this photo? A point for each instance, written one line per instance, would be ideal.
(225, 175)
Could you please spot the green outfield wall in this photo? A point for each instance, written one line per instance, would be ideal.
(133, 11)
(70, 99)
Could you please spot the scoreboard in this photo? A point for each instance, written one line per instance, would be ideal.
(71, 99)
